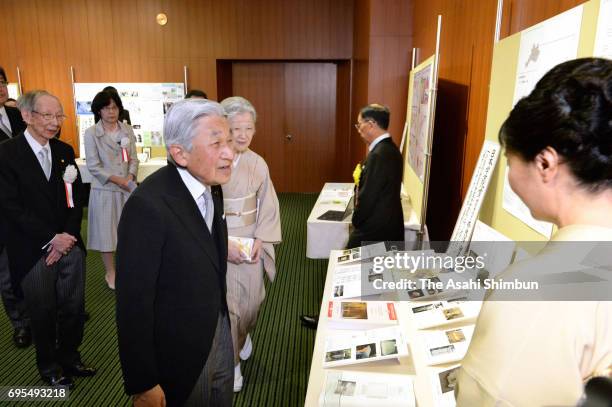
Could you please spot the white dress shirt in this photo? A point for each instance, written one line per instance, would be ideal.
(5, 120)
(36, 147)
(195, 187)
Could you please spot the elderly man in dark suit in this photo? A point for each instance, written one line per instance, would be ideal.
(11, 125)
(41, 192)
(378, 215)
(175, 342)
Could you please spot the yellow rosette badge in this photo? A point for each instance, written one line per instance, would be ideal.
(357, 174)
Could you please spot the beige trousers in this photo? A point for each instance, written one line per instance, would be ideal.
(245, 293)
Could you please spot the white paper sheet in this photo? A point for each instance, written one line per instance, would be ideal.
(603, 36)
(545, 45)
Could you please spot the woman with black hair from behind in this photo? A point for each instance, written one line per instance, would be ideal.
(558, 142)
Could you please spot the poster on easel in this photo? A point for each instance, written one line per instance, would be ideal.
(519, 61)
(419, 110)
(419, 131)
(146, 102)
(541, 48)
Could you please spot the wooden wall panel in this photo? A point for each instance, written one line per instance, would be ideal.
(382, 49)
(520, 14)
(120, 41)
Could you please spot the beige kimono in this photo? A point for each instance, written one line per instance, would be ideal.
(538, 353)
(252, 210)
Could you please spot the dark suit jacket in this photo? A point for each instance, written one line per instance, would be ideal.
(378, 215)
(170, 285)
(17, 123)
(35, 209)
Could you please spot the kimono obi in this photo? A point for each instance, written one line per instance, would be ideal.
(240, 212)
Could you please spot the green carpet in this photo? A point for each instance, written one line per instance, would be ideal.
(275, 375)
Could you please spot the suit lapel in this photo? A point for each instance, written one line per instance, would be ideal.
(32, 163)
(184, 207)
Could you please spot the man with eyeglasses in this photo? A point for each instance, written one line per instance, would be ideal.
(11, 124)
(378, 214)
(41, 201)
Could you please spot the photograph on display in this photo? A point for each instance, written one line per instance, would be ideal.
(366, 351)
(374, 275)
(442, 350)
(455, 336)
(415, 294)
(452, 313)
(146, 102)
(424, 308)
(338, 291)
(355, 310)
(448, 379)
(335, 355)
(345, 388)
(388, 347)
(419, 118)
(147, 152)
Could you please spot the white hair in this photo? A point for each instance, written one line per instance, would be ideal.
(27, 101)
(181, 118)
(235, 105)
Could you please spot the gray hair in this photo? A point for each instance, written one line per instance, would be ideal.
(181, 118)
(27, 101)
(237, 105)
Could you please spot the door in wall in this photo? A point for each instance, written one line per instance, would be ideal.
(296, 119)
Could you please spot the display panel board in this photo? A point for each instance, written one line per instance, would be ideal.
(510, 80)
(418, 117)
(147, 104)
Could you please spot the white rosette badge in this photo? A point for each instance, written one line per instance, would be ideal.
(125, 144)
(70, 175)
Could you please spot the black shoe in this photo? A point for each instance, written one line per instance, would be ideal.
(79, 370)
(309, 321)
(58, 381)
(22, 337)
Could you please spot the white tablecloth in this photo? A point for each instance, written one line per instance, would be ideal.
(144, 169)
(323, 236)
(413, 366)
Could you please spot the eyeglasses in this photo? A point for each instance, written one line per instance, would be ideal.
(49, 116)
(358, 124)
(110, 108)
(4, 83)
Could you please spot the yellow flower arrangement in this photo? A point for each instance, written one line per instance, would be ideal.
(357, 174)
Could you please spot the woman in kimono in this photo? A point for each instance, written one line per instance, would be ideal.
(110, 154)
(558, 141)
(252, 212)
